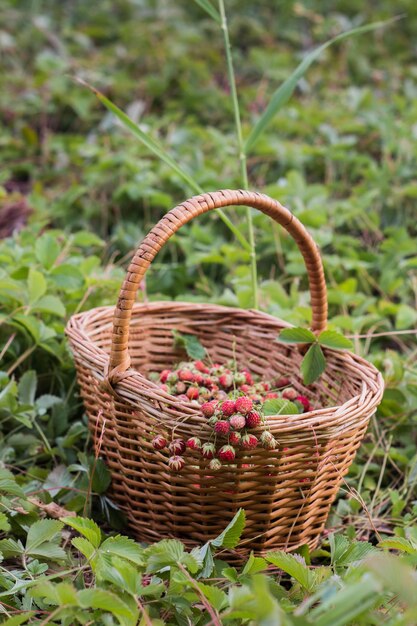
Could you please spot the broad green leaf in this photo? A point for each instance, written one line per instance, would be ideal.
(332, 339)
(230, 537)
(4, 523)
(27, 387)
(342, 608)
(209, 8)
(296, 335)
(86, 548)
(123, 547)
(191, 345)
(294, 566)
(168, 553)
(47, 250)
(11, 548)
(63, 593)
(50, 304)
(85, 527)
(216, 597)
(41, 531)
(313, 364)
(398, 543)
(49, 551)
(86, 239)
(17, 620)
(254, 565)
(285, 91)
(279, 406)
(105, 600)
(36, 285)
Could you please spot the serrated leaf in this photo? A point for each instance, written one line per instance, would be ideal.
(398, 543)
(123, 547)
(36, 285)
(85, 547)
(4, 523)
(10, 547)
(216, 597)
(313, 364)
(254, 565)
(50, 304)
(86, 527)
(296, 335)
(230, 537)
(49, 551)
(191, 345)
(44, 530)
(105, 600)
(279, 406)
(47, 250)
(333, 339)
(294, 566)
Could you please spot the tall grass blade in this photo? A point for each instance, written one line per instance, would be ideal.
(209, 8)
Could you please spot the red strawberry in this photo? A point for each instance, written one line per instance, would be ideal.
(165, 388)
(215, 465)
(253, 419)
(163, 376)
(227, 453)
(199, 365)
(180, 387)
(268, 440)
(176, 463)
(159, 442)
(186, 375)
(227, 408)
(192, 393)
(271, 395)
(208, 408)
(245, 388)
(237, 422)
(193, 443)
(266, 386)
(283, 381)
(248, 377)
(249, 442)
(208, 450)
(177, 446)
(222, 427)
(304, 401)
(290, 393)
(226, 380)
(235, 438)
(243, 405)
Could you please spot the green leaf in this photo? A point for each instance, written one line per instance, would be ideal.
(230, 537)
(27, 387)
(4, 523)
(254, 565)
(279, 406)
(333, 339)
(313, 364)
(123, 547)
(86, 548)
(105, 600)
(342, 608)
(216, 597)
(398, 543)
(60, 594)
(85, 527)
(85, 239)
(285, 91)
(49, 551)
(42, 531)
(294, 566)
(50, 304)
(10, 547)
(296, 335)
(17, 620)
(209, 8)
(36, 285)
(47, 250)
(191, 345)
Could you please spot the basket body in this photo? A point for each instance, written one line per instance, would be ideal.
(286, 493)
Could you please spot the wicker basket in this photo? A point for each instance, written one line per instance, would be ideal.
(287, 492)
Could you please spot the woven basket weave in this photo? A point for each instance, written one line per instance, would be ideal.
(287, 492)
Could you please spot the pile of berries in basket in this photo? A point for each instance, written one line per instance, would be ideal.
(234, 403)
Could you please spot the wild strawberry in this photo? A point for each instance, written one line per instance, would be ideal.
(164, 388)
(227, 408)
(256, 397)
(180, 387)
(176, 463)
(304, 402)
(163, 376)
(192, 393)
(177, 446)
(204, 393)
(283, 381)
(214, 388)
(227, 453)
(249, 442)
(240, 378)
(208, 450)
(186, 375)
(193, 443)
(235, 438)
(215, 465)
(290, 393)
(237, 422)
(172, 378)
(208, 408)
(253, 419)
(222, 427)
(226, 380)
(268, 440)
(159, 442)
(248, 377)
(183, 397)
(245, 388)
(221, 395)
(271, 395)
(199, 365)
(266, 386)
(209, 382)
(243, 405)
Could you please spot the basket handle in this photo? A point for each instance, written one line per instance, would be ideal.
(180, 215)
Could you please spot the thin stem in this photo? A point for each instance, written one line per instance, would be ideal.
(241, 149)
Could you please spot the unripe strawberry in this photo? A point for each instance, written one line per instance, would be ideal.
(240, 378)
(186, 375)
(177, 446)
(235, 438)
(249, 442)
(215, 465)
(304, 402)
(237, 422)
(253, 419)
(159, 442)
(227, 453)
(283, 381)
(227, 408)
(226, 380)
(208, 408)
(204, 393)
(180, 387)
(208, 450)
(268, 440)
(213, 420)
(243, 405)
(192, 393)
(199, 365)
(290, 393)
(163, 376)
(176, 463)
(222, 427)
(193, 443)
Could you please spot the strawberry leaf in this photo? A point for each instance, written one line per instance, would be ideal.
(313, 364)
(296, 335)
(333, 339)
